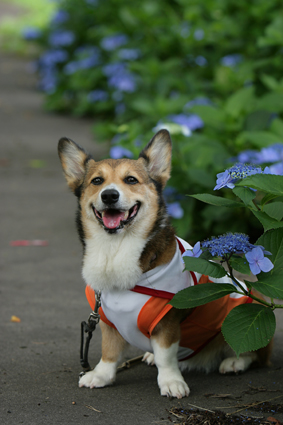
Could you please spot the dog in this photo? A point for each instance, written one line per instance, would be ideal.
(131, 255)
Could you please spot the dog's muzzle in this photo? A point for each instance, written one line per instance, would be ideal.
(114, 219)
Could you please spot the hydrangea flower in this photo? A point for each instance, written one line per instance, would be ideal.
(200, 60)
(175, 210)
(60, 38)
(195, 252)
(199, 34)
(229, 243)
(191, 122)
(97, 96)
(129, 54)
(257, 262)
(231, 60)
(31, 33)
(125, 82)
(117, 152)
(60, 17)
(232, 175)
(112, 42)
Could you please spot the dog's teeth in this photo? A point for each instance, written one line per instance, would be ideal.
(126, 215)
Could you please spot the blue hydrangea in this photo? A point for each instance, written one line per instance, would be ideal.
(60, 17)
(231, 60)
(198, 101)
(232, 175)
(113, 42)
(227, 244)
(117, 152)
(61, 38)
(195, 252)
(201, 61)
(191, 122)
(175, 210)
(257, 262)
(199, 34)
(31, 33)
(129, 54)
(52, 57)
(97, 96)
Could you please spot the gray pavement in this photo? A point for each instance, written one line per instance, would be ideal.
(39, 356)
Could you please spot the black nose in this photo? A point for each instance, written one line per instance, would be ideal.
(110, 196)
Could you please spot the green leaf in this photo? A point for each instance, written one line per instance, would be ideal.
(259, 139)
(267, 198)
(249, 327)
(272, 102)
(274, 210)
(205, 267)
(216, 200)
(257, 120)
(201, 294)
(240, 264)
(239, 101)
(211, 116)
(245, 194)
(267, 222)
(277, 127)
(266, 182)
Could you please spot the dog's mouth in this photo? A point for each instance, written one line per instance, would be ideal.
(114, 219)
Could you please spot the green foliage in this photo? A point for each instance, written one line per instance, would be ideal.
(247, 327)
(192, 59)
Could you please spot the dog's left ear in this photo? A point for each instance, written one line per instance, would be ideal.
(157, 155)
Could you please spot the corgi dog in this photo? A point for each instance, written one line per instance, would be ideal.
(132, 256)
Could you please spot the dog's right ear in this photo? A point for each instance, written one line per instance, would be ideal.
(73, 159)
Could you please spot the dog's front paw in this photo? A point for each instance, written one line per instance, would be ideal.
(92, 379)
(173, 388)
(148, 358)
(234, 365)
(103, 375)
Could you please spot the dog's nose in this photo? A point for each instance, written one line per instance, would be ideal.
(110, 196)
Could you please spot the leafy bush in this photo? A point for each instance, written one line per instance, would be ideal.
(209, 71)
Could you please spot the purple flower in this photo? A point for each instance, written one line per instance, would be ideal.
(231, 60)
(112, 42)
(97, 96)
(195, 252)
(191, 122)
(31, 33)
(232, 175)
(62, 38)
(52, 57)
(258, 262)
(117, 152)
(175, 210)
(276, 169)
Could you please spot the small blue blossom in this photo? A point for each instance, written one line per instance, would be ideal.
(227, 244)
(201, 61)
(129, 54)
(191, 122)
(125, 82)
(31, 33)
(232, 175)
(198, 101)
(257, 262)
(195, 252)
(199, 34)
(113, 42)
(52, 57)
(231, 60)
(175, 210)
(60, 38)
(97, 96)
(276, 169)
(117, 152)
(112, 69)
(60, 17)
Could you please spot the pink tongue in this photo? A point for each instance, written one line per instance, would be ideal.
(112, 219)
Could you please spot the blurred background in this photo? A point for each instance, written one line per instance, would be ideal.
(210, 71)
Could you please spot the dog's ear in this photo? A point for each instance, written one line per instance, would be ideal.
(73, 159)
(157, 155)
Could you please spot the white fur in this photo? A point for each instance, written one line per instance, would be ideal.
(236, 365)
(170, 379)
(103, 374)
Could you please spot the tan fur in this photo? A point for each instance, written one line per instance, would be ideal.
(113, 344)
(168, 331)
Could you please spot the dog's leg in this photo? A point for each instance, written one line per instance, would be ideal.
(165, 342)
(105, 372)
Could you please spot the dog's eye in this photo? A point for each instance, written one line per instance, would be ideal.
(97, 181)
(131, 180)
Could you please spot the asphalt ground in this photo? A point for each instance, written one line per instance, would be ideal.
(42, 286)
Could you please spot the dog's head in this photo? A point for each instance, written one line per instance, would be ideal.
(117, 194)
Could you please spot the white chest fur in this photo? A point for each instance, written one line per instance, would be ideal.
(112, 261)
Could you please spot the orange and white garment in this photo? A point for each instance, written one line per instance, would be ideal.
(135, 314)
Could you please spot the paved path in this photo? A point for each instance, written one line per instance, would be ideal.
(39, 356)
